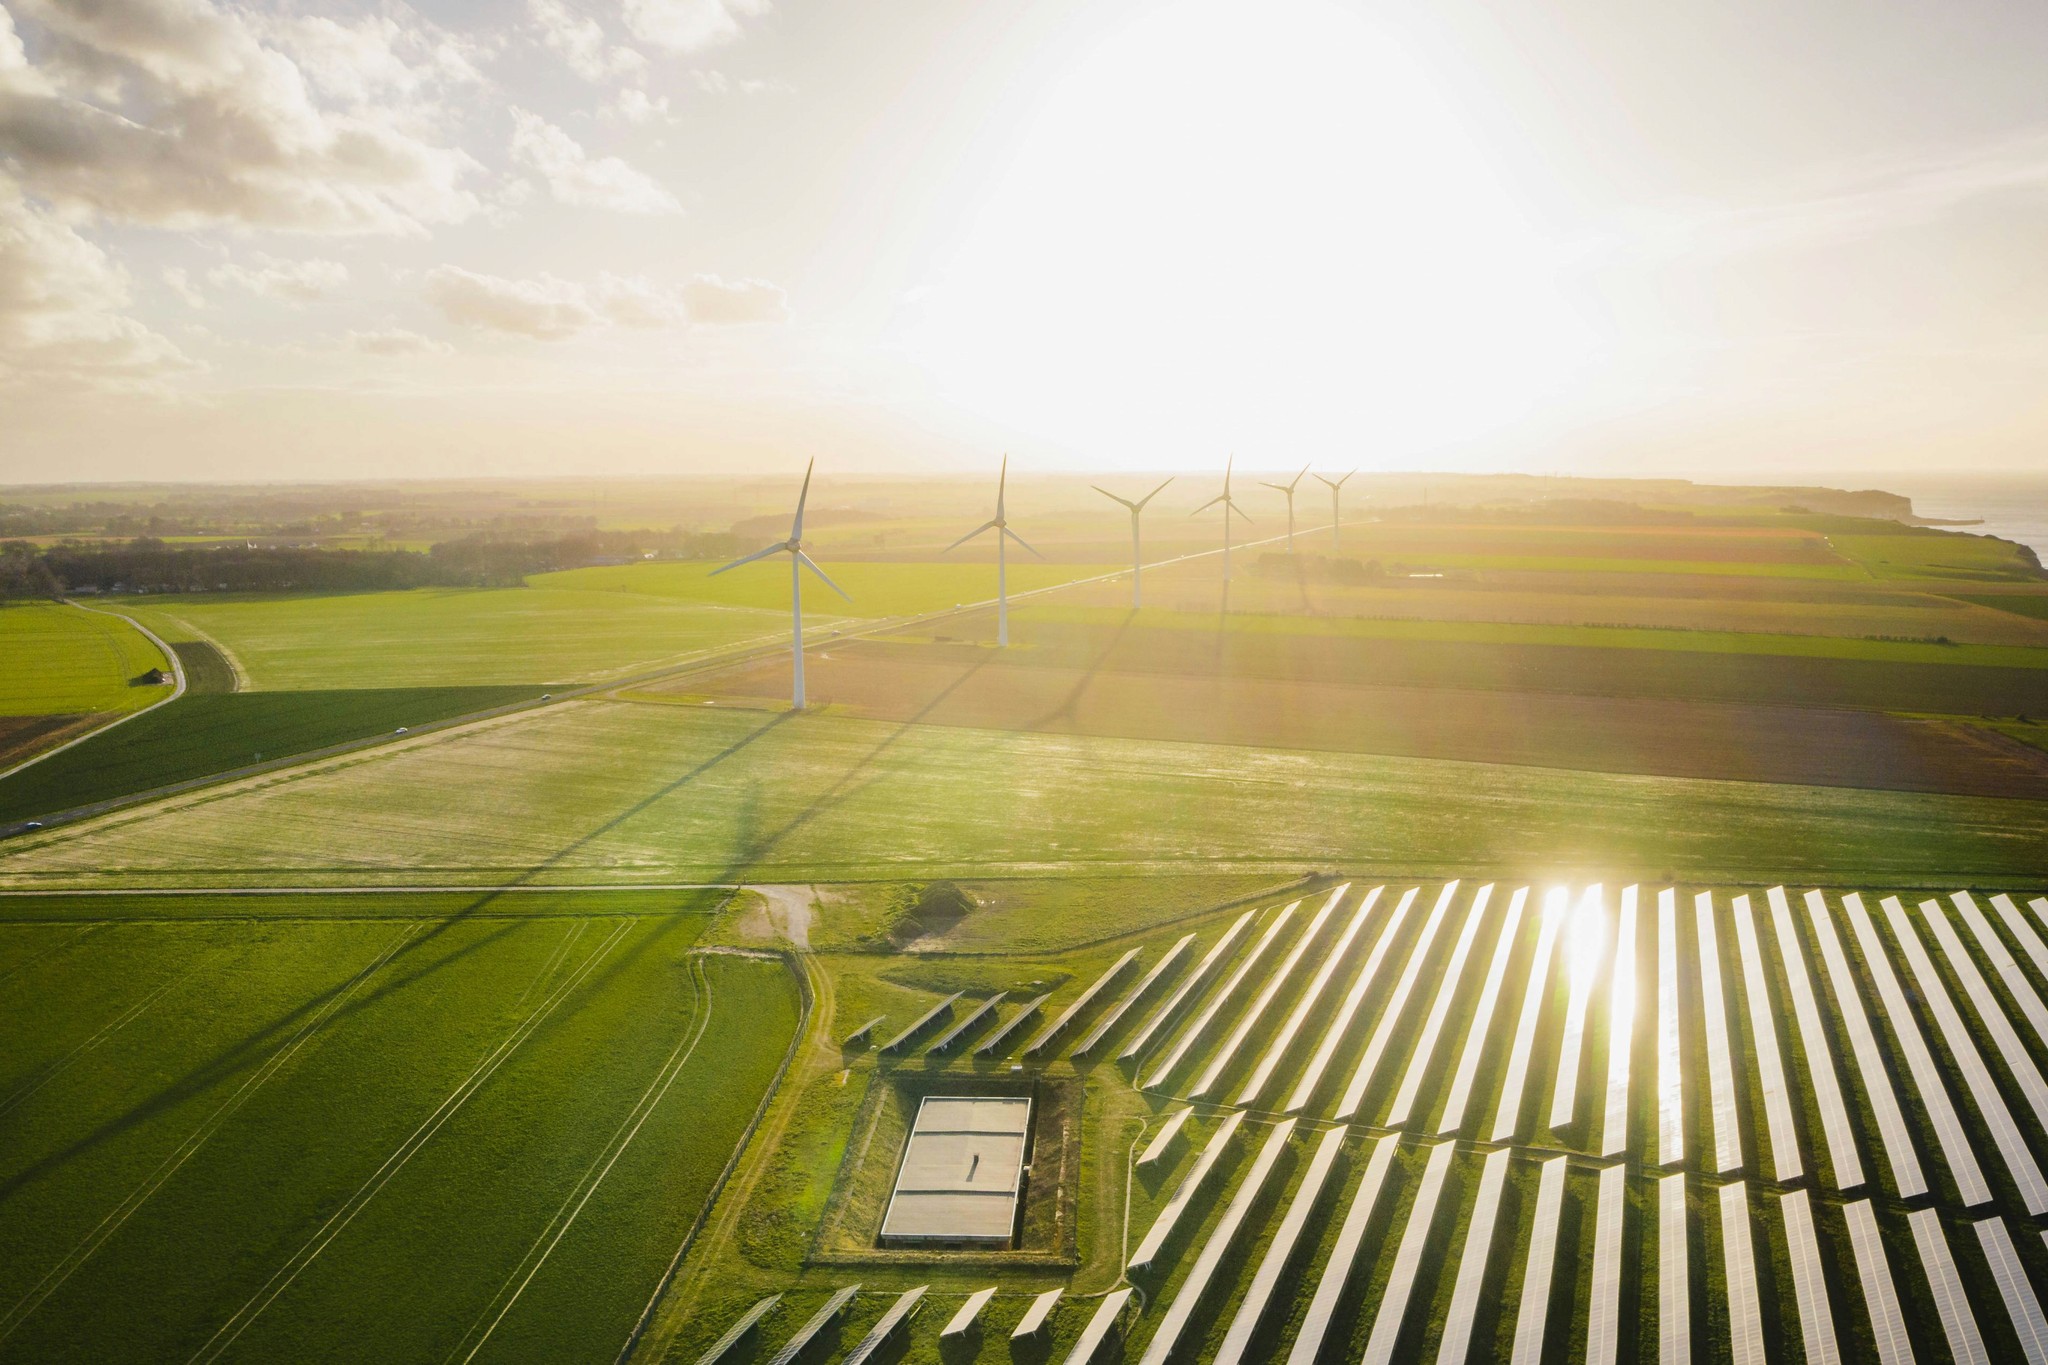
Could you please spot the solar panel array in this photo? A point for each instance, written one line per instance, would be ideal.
(1801, 1060)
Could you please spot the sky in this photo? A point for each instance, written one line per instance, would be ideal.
(1729, 240)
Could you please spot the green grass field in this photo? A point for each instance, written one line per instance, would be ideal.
(279, 1130)
(64, 659)
(877, 589)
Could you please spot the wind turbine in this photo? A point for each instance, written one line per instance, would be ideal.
(1288, 489)
(1002, 530)
(1137, 562)
(1229, 506)
(798, 561)
(1336, 535)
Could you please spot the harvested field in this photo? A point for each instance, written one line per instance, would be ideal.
(1665, 736)
(23, 737)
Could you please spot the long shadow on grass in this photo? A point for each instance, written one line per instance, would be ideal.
(252, 1050)
(1072, 700)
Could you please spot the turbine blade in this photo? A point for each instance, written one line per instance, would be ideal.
(1020, 540)
(796, 529)
(1149, 496)
(810, 564)
(747, 559)
(1299, 477)
(1134, 506)
(1220, 497)
(1002, 482)
(985, 526)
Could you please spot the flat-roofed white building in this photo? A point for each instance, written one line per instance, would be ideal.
(962, 1170)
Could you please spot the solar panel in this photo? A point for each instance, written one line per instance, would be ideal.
(1603, 1315)
(995, 1040)
(1034, 1317)
(1137, 993)
(1958, 1324)
(1838, 1139)
(1621, 1030)
(1720, 1067)
(1994, 948)
(862, 1032)
(1194, 1031)
(1880, 1297)
(1340, 1026)
(1283, 1041)
(1393, 1314)
(834, 1306)
(1081, 1002)
(1674, 1283)
(1343, 1261)
(1189, 1295)
(923, 1021)
(1439, 1009)
(1307, 1195)
(2005, 1134)
(1456, 1343)
(1532, 1320)
(1162, 1226)
(1507, 1118)
(2013, 1286)
(974, 1016)
(898, 1313)
(1897, 1142)
(1809, 1285)
(1670, 1073)
(1397, 1004)
(1482, 1019)
(1170, 1130)
(1221, 1059)
(1166, 1011)
(1738, 1262)
(969, 1312)
(737, 1330)
(1763, 1041)
(1585, 946)
(1099, 1327)
(2003, 1035)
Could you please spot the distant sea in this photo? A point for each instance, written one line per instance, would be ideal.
(2014, 507)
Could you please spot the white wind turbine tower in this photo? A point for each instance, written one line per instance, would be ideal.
(1229, 506)
(1288, 489)
(798, 561)
(1336, 536)
(1137, 561)
(1003, 531)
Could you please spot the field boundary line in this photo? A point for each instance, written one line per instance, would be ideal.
(281, 1279)
(177, 690)
(58, 1274)
(243, 683)
(622, 1138)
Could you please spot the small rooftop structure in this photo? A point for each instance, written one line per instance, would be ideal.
(962, 1170)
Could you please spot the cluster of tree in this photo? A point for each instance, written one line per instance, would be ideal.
(148, 565)
(1316, 568)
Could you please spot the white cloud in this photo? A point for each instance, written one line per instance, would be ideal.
(634, 105)
(286, 281)
(178, 113)
(63, 302)
(636, 303)
(545, 308)
(179, 281)
(574, 177)
(396, 341)
(710, 299)
(713, 82)
(581, 41)
(690, 25)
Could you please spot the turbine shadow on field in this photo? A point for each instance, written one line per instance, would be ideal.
(257, 1046)
(1068, 704)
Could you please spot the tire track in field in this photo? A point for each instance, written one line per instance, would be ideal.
(49, 952)
(115, 1025)
(572, 1207)
(55, 1278)
(547, 969)
(281, 1279)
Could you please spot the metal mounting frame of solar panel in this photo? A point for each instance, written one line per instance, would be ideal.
(1837, 1137)
(1424, 1051)
(1283, 1041)
(834, 1306)
(1481, 1023)
(1162, 1226)
(1765, 1053)
(1081, 1002)
(1259, 1296)
(1034, 1319)
(1895, 1140)
(1218, 951)
(921, 1023)
(1342, 1263)
(1009, 1026)
(1339, 1027)
(1363, 1074)
(901, 1311)
(1201, 1023)
(1188, 1297)
(743, 1325)
(961, 1322)
(1117, 1011)
(1099, 1327)
(1507, 1114)
(974, 1016)
(862, 1032)
(1222, 1057)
